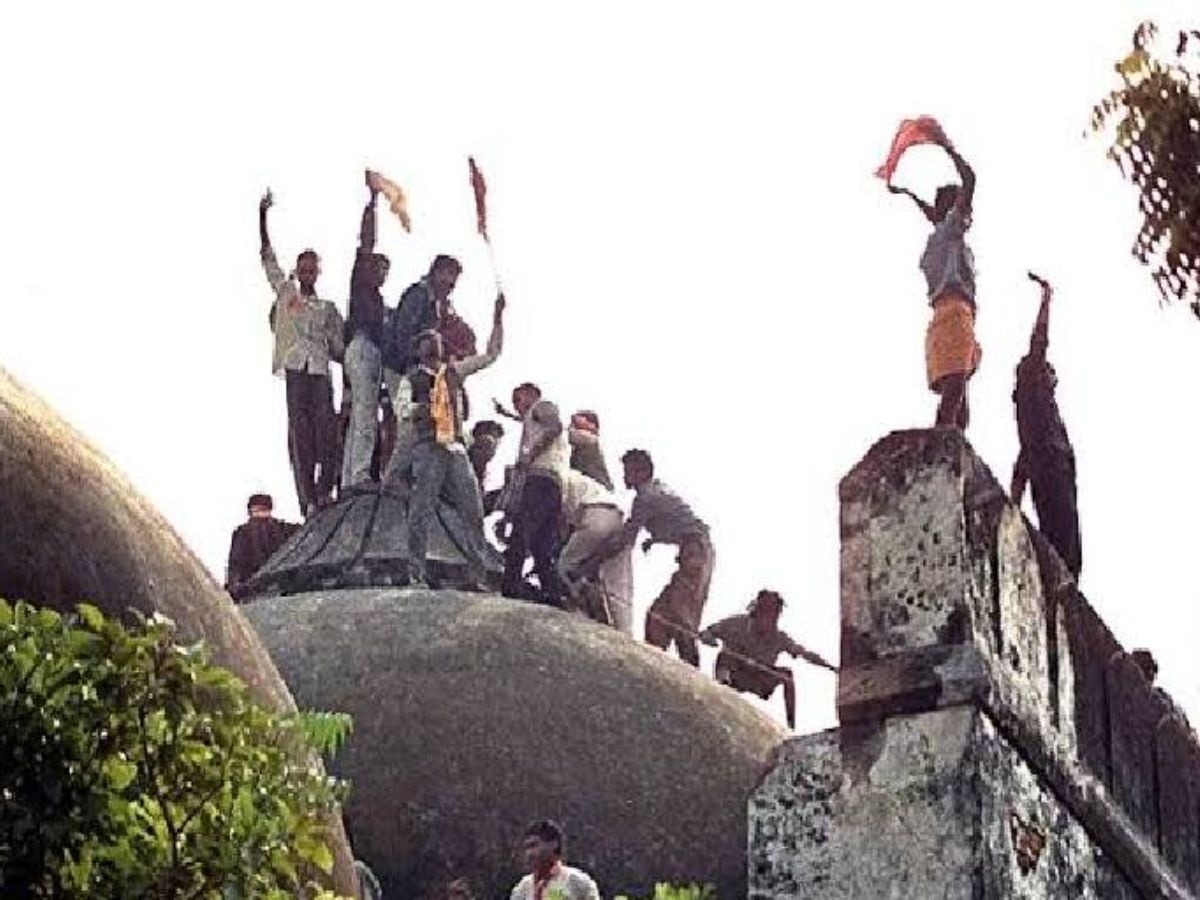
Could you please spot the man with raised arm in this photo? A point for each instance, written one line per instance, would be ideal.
(951, 352)
(308, 335)
(1047, 460)
(364, 361)
(429, 404)
(750, 644)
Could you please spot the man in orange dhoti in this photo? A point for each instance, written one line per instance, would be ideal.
(951, 352)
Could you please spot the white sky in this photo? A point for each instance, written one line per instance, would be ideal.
(689, 231)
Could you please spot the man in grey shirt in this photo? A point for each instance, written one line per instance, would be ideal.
(676, 614)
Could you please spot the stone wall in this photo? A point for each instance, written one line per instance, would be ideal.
(996, 740)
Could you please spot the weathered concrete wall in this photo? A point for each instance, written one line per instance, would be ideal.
(953, 604)
(932, 805)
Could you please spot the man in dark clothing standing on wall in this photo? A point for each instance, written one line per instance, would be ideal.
(1046, 460)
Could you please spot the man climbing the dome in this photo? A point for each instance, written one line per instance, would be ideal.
(750, 644)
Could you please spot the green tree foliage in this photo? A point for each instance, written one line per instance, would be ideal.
(132, 767)
(1156, 144)
(681, 892)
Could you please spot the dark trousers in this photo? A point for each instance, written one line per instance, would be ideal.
(535, 533)
(1058, 514)
(311, 435)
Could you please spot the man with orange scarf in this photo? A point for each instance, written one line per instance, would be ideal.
(429, 404)
(951, 352)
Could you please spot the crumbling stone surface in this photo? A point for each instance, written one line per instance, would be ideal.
(1082, 776)
(936, 805)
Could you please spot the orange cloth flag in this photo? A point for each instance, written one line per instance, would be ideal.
(921, 130)
(441, 410)
(479, 187)
(395, 197)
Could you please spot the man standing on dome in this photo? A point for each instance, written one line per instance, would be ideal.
(364, 361)
(428, 405)
(308, 336)
(541, 462)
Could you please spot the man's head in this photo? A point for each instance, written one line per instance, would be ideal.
(524, 396)
(428, 347)
(443, 275)
(308, 267)
(380, 266)
(586, 420)
(485, 437)
(259, 506)
(765, 609)
(944, 200)
(541, 846)
(1145, 661)
(639, 468)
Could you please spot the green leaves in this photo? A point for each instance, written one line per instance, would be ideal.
(1156, 145)
(132, 767)
(664, 891)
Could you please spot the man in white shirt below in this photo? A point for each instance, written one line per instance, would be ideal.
(549, 877)
(750, 645)
(595, 519)
(541, 462)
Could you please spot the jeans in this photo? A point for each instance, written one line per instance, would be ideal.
(364, 369)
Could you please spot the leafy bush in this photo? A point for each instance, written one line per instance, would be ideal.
(133, 767)
(681, 892)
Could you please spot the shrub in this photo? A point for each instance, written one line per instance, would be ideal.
(681, 892)
(133, 767)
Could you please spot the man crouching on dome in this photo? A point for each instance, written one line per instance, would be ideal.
(750, 645)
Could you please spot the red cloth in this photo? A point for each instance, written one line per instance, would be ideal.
(479, 188)
(921, 130)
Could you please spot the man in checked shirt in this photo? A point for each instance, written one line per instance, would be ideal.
(308, 335)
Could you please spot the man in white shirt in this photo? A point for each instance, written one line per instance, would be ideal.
(541, 461)
(308, 335)
(549, 877)
(595, 519)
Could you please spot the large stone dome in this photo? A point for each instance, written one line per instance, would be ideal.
(72, 528)
(475, 714)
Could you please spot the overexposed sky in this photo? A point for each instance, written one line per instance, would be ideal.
(687, 225)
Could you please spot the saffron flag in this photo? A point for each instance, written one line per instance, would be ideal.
(921, 130)
(395, 197)
(479, 187)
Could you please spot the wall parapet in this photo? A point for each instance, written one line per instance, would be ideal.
(951, 599)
